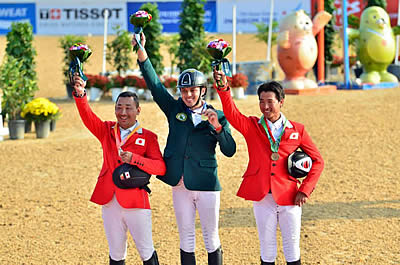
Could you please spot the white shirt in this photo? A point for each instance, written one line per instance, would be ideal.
(277, 126)
(126, 132)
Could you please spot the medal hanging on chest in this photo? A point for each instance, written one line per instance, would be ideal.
(274, 143)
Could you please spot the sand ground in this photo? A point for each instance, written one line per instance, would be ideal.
(353, 216)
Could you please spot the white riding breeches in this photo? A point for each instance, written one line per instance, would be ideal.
(207, 204)
(117, 221)
(268, 214)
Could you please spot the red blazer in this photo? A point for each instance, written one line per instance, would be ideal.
(263, 174)
(147, 146)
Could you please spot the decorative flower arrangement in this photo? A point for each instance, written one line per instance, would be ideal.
(117, 81)
(138, 20)
(238, 80)
(218, 49)
(78, 54)
(141, 83)
(131, 80)
(99, 81)
(40, 109)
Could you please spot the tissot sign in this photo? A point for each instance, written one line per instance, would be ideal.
(79, 20)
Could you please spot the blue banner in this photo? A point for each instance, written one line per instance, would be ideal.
(169, 15)
(16, 13)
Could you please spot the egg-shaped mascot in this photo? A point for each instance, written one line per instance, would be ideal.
(297, 47)
(376, 46)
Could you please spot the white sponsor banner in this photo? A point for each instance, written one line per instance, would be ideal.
(250, 11)
(60, 19)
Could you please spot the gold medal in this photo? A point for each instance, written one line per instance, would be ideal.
(274, 156)
(204, 117)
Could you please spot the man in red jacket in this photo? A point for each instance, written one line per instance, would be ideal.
(124, 141)
(277, 197)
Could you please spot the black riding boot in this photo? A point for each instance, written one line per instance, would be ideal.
(119, 262)
(215, 258)
(153, 260)
(188, 258)
(294, 263)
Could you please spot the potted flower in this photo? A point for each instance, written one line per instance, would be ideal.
(130, 82)
(65, 43)
(94, 89)
(102, 82)
(170, 84)
(116, 85)
(238, 83)
(41, 111)
(143, 91)
(16, 92)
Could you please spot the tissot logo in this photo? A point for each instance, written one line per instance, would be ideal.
(78, 13)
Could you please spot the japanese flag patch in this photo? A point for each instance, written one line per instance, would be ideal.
(294, 136)
(140, 141)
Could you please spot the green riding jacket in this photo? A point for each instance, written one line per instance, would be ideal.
(190, 150)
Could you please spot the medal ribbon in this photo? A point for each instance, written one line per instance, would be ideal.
(120, 143)
(274, 143)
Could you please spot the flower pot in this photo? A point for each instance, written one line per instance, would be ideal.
(131, 89)
(238, 92)
(115, 91)
(28, 126)
(95, 94)
(16, 129)
(42, 129)
(147, 95)
(53, 125)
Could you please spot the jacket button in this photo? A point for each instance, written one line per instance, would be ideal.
(273, 164)
(272, 174)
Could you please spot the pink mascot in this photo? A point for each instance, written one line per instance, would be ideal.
(297, 47)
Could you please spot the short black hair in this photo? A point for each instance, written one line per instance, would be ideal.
(272, 86)
(128, 94)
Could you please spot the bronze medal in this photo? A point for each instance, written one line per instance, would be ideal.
(274, 156)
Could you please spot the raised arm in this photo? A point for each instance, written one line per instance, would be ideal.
(89, 118)
(239, 121)
(160, 95)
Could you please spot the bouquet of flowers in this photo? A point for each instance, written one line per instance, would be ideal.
(40, 109)
(219, 49)
(138, 20)
(78, 54)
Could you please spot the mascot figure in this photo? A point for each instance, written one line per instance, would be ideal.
(297, 47)
(376, 45)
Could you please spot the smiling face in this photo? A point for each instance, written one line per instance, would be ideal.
(126, 111)
(270, 107)
(191, 96)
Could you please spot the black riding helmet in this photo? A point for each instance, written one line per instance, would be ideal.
(192, 78)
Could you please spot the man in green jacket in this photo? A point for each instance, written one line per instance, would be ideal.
(195, 128)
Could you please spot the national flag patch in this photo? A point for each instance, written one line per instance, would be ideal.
(140, 141)
(294, 136)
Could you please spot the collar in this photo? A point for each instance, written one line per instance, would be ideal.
(279, 123)
(140, 131)
(198, 110)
